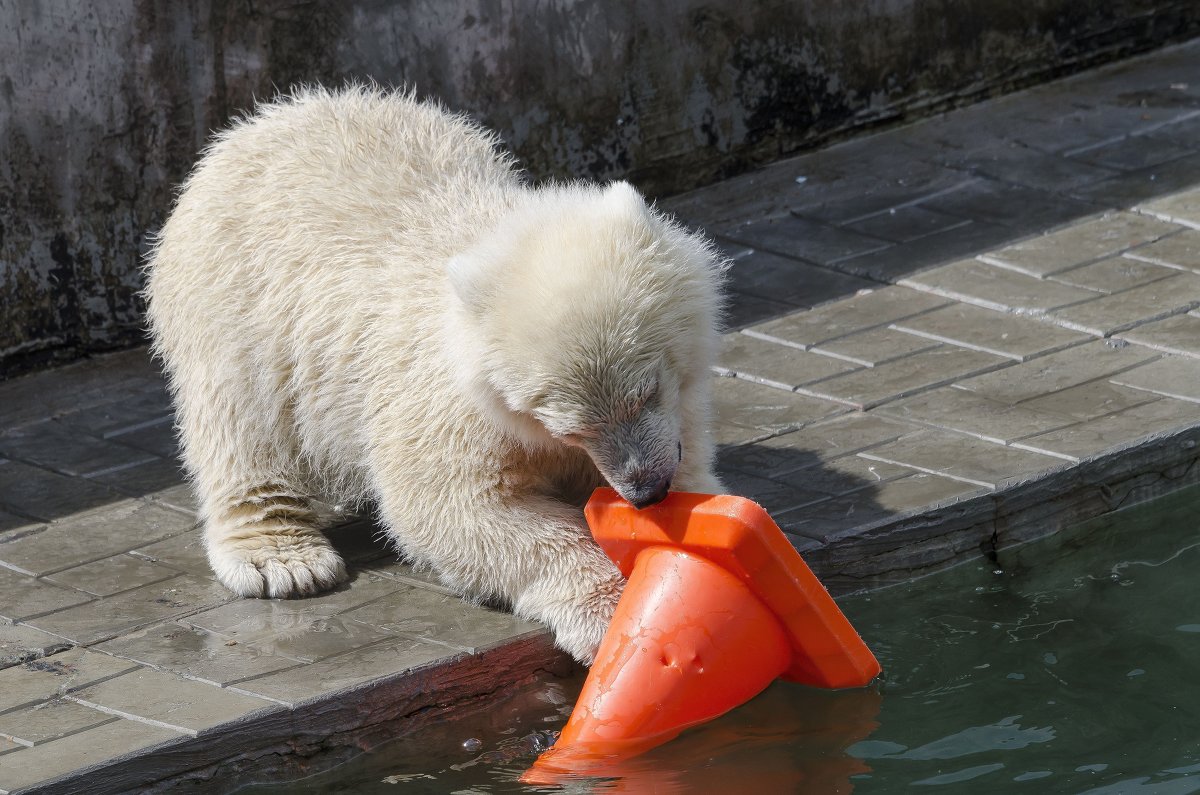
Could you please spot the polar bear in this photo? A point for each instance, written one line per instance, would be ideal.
(357, 298)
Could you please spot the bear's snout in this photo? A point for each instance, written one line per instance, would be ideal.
(646, 493)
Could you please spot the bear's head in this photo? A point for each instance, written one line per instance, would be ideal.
(591, 320)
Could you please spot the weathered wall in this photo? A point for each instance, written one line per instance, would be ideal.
(104, 106)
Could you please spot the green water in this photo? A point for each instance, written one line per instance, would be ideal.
(1075, 669)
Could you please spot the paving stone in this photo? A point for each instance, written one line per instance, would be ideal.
(45, 495)
(782, 279)
(773, 496)
(49, 720)
(37, 681)
(1015, 206)
(166, 698)
(900, 225)
(1177, 251)
(195, 654)
(398, 569)
(874, 346)
(66, 450)
(438, 618)
(391, 657)
(1114, 430)
(1121, 311)
(1114, 274)
(964, 458)
(1011, 162)
(1088, 401)
(842, 318)
(844, 475)
(152, 406)
(745, 404)
(1066, 248)
(1131, 153)
(19, 643)
(107, 618)
(993, 287)
(180, 498)
(1181, 208)
(885, 500)
(146, 479)
(1134, 187)
(12, 526)
(1055, 371)
(743, 310)
(972, 414)
(814, 445)
(990, 331)
(22, 596)
(90, 536)
(893, 264)
(6, 746)
(1170, 376)
(1178, 334)
(113, 575)
(30, 766)
(805, 239)
(902, 377)
(159, 439)
(183, 552)
(775, 364)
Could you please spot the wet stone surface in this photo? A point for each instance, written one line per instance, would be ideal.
(932, 337)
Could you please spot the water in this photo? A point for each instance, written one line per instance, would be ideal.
(1073, 670)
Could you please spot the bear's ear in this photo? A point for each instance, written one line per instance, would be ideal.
(469, 274)
(624, 198)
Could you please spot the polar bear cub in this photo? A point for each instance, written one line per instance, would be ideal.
(357, 298)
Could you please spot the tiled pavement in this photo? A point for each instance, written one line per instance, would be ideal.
(949, 338)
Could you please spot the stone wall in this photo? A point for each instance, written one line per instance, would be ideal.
(104, 106)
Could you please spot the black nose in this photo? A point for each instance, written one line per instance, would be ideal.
(651, 494)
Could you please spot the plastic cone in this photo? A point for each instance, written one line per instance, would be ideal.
(717, 605)
(688, 642)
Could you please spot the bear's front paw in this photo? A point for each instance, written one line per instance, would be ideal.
(580, 627)
(277, 566)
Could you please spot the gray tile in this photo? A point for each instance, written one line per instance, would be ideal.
(1132, 153)
(964, 458)
(813, 445)
(844, 475)
(37, 681)
(152, 406)
(1088, 401)
(389, 658)
(195, 654)
(902, 377)
(994, 287)
(1116, 430)
(19, 643)
(969, 413)
(874, 346)
(158, 439)
(12, 525)
(1011, 162)
(1056, 371)
(1181, 208)
(45, 495)
(1094, 239)
(782, 279)
(408, 574)
(772, 495)
(1114, 274)
(1017, 206)
(165, 698)
(839, 319)
(1145, 184)
(804, 238)
(107, 618)
(1001, 333)
(48, 721)
(30, 766)
(144, 479)
(21, 596)
(1170, 376)
(86, 537)
(183, 552)
(1178, 334)
(900, 225)
(748, 405)
(438, 618)
(1177, 251)
(109, 576)
(743, 310)
(775, 364)
(1121, 311)
(58, 447)
(939, 248)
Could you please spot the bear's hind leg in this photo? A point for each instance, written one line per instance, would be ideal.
(264, 542)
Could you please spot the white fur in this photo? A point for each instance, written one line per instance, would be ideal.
(357, 297)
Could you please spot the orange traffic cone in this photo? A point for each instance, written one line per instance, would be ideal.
(717, 605)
